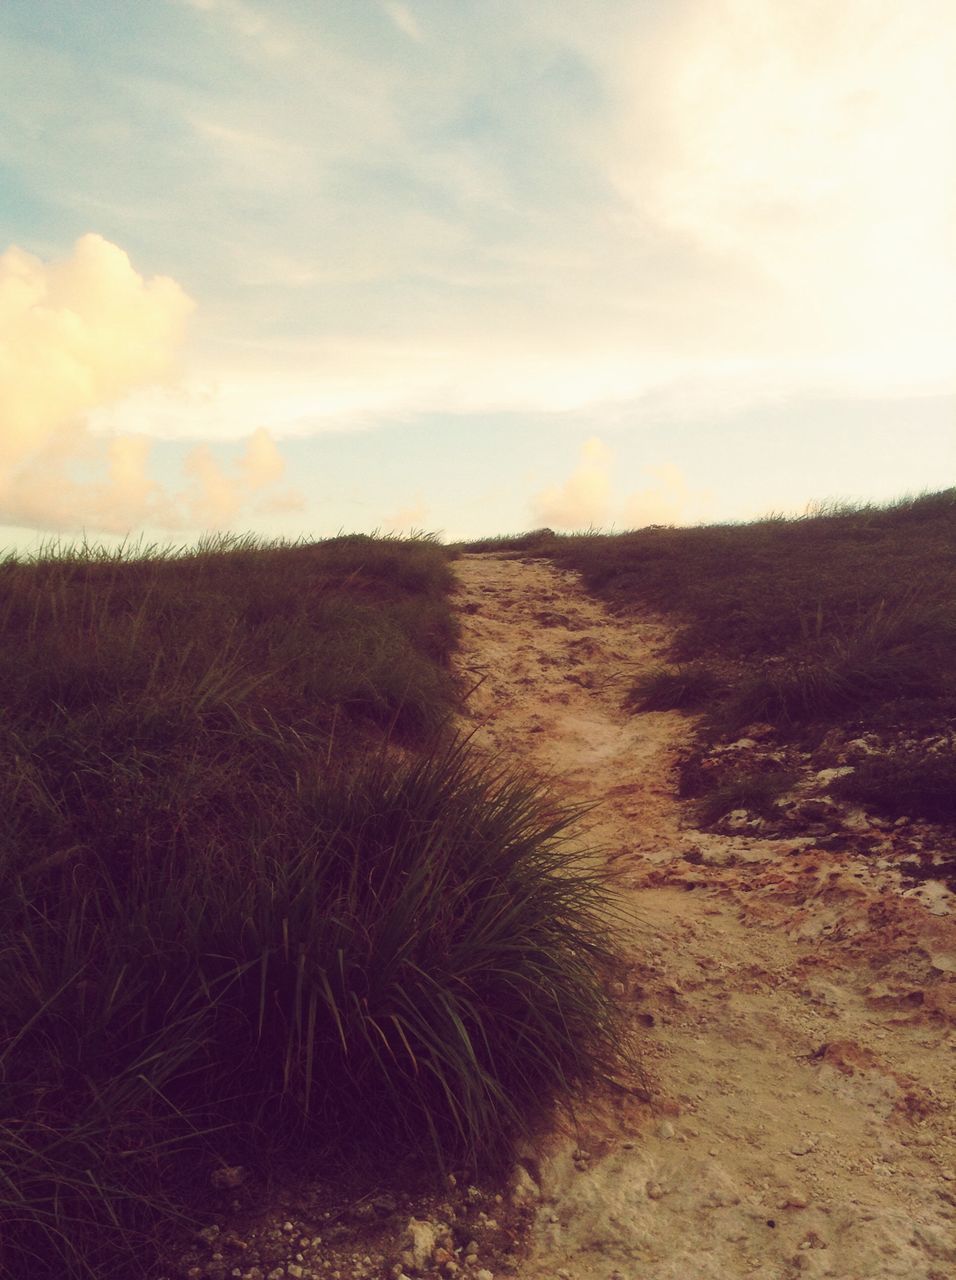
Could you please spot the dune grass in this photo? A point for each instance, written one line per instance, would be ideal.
(686, 686)
(908, 781)
(255, 901)
(813, 618)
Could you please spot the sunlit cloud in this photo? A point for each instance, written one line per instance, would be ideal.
(814, 149)
(583, 499)
(588, 497)
(667, 498)
(81, 333)
(75, 334)
(407, 519)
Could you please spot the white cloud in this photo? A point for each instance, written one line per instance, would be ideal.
(403, 18)
(812, 147)
(75, 334)
(407, 518)
(80, 334)
(583, 499)
(250, 22)
(587, 498)
(666, 499)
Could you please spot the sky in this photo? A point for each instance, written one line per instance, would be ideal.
(300, 267)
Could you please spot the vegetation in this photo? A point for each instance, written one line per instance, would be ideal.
(755, 792)
(255, 901)
(908, 781)
(687, 687)
(816, 618)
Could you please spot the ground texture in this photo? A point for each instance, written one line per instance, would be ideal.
(793, 1005)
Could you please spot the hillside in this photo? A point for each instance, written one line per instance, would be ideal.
(330, 867)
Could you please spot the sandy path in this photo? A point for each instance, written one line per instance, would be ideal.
(795, 1014)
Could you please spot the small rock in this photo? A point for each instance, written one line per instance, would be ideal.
(665, 1129)
(856, 820)
(523, 1186)
(826, 776)
(485, 1274)
(228, 1177)
(794, 1200)
(420, 1240)
(654, 1191)
(805, 1145)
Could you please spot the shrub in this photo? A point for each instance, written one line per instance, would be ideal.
(408, 955)
(881, 655)
(905, 782)
(686, 687)
(756, 793)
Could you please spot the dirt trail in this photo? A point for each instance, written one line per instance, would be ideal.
(795, 1012)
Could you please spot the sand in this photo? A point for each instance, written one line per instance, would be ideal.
(793, 1010)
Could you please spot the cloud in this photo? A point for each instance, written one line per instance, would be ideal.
(124, 497)
(667, 499)
(76, 334)
(407, 518)
(584, 498)
(81, 334)
(217, 495)
(812, 150)
(250, 22)
(403, 18)
(262, 464)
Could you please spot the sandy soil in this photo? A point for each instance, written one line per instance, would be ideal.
(794, 1011)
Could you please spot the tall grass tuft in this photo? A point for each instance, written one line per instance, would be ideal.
(684, 687)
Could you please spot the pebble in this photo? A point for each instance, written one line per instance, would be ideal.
(654, 1191)
(793, 1200)
(804, 1146)
(665, 1129)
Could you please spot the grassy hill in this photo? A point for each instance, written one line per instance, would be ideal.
(842, 618)
(257, 903)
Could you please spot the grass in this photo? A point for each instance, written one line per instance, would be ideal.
(686, 686)
(757, 793)
(256, 904)
(910, 782)
(823, 616)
